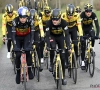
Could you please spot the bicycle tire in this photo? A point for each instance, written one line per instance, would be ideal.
(34, 64)
(69, 69)
(69, 72)
(86, 65)
(79, 56)
(24, 78)
(59, 80)
(91, 71)
(37, 68)
(74, 68)
(46, 60)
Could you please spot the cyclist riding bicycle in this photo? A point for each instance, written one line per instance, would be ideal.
(78, 9)
(39, 32)
(55, 30)
(45, 16)
(74, 25)
(88, 17)
(7, 19)
(23, 37)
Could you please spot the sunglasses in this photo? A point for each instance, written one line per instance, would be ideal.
(88, 11)
(24, 16)
(9, 12)
(55, 19)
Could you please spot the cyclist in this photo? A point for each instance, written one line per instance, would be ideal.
(54, 31)
(88, 16)
(39, 32)
(7, 18)
(78, 9)
(21, 3)
(28, 4)
(23, 37)
(45, 16)
(74, 25)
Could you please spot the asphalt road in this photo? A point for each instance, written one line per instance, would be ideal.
(84, 81)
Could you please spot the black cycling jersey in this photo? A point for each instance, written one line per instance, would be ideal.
(87, 22)
(57, 31)
(22, 29)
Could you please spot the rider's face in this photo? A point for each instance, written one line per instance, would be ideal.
(70, 17)
(56, 22)
(10, 14)
(23, 20)
(47, 14)
(88, 14)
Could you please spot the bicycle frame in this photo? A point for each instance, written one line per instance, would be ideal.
(89, 46)
(71, 54)
(57, 59)
(24, 65)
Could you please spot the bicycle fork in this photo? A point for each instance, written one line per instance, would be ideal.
(58, 60)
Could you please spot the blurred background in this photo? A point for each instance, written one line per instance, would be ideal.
(54, 3)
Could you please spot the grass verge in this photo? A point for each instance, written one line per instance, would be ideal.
(0, 30)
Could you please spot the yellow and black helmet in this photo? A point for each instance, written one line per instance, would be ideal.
(88, 7)
(78, 9)
(56, 14)
(47, 9)
(70, 10)
(33, 13)
(9, 8)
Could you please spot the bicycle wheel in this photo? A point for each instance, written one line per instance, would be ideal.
(69, 72)
(92, 63)
(46, 60)
(24, 78)
(79, 56)
(74, 68)
(59, 80)
(34, 63)
(37, 68)
(86, 65)
(69, 69)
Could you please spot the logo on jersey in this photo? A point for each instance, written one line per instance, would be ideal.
(47, 29)
(66, 28)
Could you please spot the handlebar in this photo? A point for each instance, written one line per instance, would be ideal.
(87, 37)
(22, 50)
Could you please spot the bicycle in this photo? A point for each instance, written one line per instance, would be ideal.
(57, 69)
(24, 69)
(72, 68)
(89, 55)
(36, 62)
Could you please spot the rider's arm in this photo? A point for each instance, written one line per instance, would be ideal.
(3, 25)
(79, 25)
(40, 14)
(96, 24)
(48, 33)
(63, 16)
(41, 27)
(67, 37)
